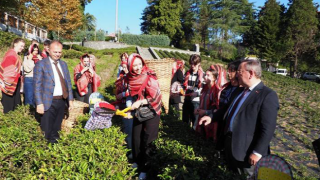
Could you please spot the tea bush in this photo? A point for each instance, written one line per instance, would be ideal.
(82, 154)
(71, 54)
(84, 49)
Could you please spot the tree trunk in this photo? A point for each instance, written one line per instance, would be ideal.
(295, 66)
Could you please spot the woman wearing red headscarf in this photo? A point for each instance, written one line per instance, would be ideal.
(209, 101)
(10, 80)
(144, 89)
(123, 58)
(86, 79)
(28, 65)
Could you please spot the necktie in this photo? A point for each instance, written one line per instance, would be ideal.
(232, 111)
(62, 81)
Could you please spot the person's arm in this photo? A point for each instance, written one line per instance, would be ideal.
(180, 76)
(77, 73)
(37, 84)
(69, 85)
(266, 124)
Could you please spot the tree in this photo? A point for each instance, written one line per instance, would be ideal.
(127, 30)
(163, 17)
(61, 16)
(89, 22)
(14, 7)
(187, 19)
(301, 30)
(268, 32)
(84, 3)
(229, 22)
(203, 22)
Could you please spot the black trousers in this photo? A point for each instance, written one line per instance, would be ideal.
(10, 103)
(188, 111)
(233, 164)
(51, 120)
(142, 136)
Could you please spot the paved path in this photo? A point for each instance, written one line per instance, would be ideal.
(145, 53)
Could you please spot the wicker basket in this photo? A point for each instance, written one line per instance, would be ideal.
(70, 118)
(163, 69)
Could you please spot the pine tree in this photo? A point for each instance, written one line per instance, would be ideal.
(268, 31)
(301, 30)
(163, 17)
(203, 22)
(229, 22)
(187, 19)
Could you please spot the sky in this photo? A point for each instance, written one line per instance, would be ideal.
(129, 13)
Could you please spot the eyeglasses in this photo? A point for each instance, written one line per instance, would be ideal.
(241, 71)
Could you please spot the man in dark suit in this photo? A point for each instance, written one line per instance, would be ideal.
(52, 90)
(250, 120)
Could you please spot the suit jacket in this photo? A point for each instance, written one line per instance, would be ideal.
(43, 82)
(255, 123)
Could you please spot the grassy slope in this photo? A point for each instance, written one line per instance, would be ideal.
(183, 155)
(298, 123)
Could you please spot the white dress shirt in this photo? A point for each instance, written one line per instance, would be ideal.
(57, 84)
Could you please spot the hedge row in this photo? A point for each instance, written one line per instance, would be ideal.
(76, 51)
(24, 153)
(90, 35)
(205, 61)
(145, 40)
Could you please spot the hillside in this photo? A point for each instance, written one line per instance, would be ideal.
(179, 152)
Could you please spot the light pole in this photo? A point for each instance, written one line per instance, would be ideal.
(116, 28)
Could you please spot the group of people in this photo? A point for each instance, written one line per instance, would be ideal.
(46, 83)
(230, 106)
(239, 113)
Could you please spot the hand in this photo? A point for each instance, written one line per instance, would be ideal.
(70, 105)
(136, 105)
(84, 70)
(40, 109)
(205, 120)
(253, 159)
(119, 96)
(39, 57)
(91, 70)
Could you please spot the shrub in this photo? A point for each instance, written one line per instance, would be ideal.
(128, 50)
(72, 54)
(108, 38)
(83, 49)
(90, 35)
(82, 154)
(6, 39)
(145, 40)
